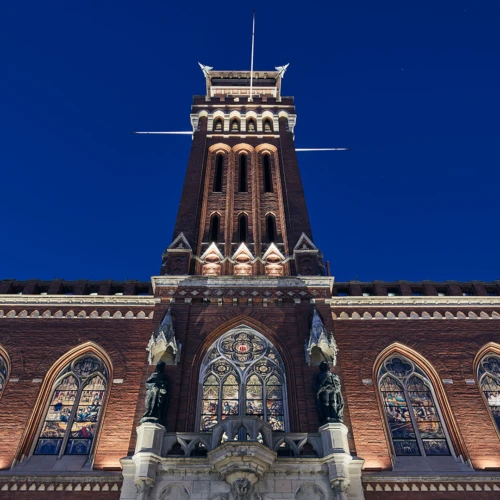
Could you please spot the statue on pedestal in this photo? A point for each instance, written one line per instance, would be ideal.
(328, 395)
(157, 395)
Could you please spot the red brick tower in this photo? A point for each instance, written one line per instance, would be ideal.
(242, 210)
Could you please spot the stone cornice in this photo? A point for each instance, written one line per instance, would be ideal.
(79, 300)
(410, 302)
(243, 281)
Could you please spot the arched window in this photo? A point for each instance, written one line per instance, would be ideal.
(271, 228)
(251, 125)
(242, 228)
(242, 185)
(488, 374)
(219, 163)
(414, 419)
(267, 125)
(242, 374)
(218, 125)
(214, 228)
(74, 409)
(4, 373)
(235, 125)
(268, 178)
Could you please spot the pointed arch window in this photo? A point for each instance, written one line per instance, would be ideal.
(242, 185)
(242, 374)
(214, 228)
(242, 228)
(219, 164)
(218, 125)
(268, 178)
(4, 373)
(489, 381)
(235, 125)
(267, 125)
(74, 409)
(251, 125)
(414, 419)
(271, 228)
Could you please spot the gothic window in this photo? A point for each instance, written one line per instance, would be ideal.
(242, 228)
(242, 374)
(489, 381)
(267, 126)
(414, 419)
(271, 228)
(218, 125)
(268, 178)
(3, 373)
(242, 185)
(214, 228)
(219, 163)
(251, 125)
(74, 409)
(235, 125)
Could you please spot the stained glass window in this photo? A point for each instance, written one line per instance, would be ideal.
(74, 409)
(3, 373)
(242, 374)
(414, 420)
(489, 381)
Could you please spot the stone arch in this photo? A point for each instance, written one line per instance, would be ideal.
(46, 389)
(309, 491)
(447, 413)
(174, 492)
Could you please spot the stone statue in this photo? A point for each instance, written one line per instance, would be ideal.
(157, 395)
(328, 395)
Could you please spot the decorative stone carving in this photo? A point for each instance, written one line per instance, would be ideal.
(274, 261)
(321, 343)
(242, 460)
(177, 257)
(328, 395)
(211, 259)
(306, 256)
(243, 259)
(157, 395)
(163, 345)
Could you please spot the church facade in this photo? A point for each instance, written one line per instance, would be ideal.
(243, 371)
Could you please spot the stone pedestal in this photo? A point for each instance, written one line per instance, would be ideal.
(344, 470)
(139, 473)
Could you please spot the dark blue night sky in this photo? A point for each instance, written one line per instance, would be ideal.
(411, 87)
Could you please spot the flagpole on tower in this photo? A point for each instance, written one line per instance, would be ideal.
(251, 58)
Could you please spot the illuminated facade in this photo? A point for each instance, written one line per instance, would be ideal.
(242, 314)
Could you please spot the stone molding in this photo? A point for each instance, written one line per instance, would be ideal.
(61, 483)
(390, 315)
(71, 314)
(431, 484)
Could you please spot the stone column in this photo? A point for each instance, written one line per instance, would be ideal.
(344, 470)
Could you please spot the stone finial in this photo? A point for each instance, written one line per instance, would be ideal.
(163, 344)
(320, 340)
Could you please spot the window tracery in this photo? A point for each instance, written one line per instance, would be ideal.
(74, 408)
(242, 374)
(3, 373)
(414, 419)
(489, 381)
